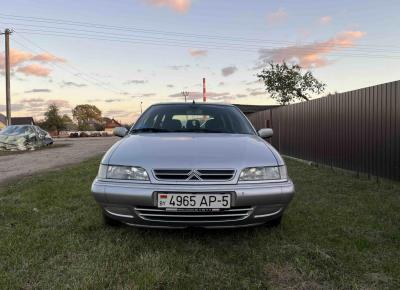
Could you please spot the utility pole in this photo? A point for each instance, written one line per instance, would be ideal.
(141, 110)
(7, 33)
(185, 94)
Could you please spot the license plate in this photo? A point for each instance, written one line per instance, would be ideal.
(194, 201)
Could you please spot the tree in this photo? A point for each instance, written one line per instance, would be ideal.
(86, 114)
(53, 120)
(287, 83)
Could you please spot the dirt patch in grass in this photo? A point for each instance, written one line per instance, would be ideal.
(287, 277)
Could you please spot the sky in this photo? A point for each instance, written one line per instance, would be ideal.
(121, 55)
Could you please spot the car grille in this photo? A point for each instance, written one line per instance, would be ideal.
(194, 175)
(193, 216)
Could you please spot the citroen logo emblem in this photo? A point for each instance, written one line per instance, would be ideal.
(194, 176)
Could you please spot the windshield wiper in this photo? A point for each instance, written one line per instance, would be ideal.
(149, 130)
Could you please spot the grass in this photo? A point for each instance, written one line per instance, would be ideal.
(53, 146)
(338, 233)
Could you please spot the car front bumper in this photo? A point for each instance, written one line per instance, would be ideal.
(136, 204)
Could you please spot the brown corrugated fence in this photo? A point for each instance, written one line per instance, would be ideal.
(357, 130)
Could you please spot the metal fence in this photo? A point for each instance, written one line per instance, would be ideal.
(357, 130)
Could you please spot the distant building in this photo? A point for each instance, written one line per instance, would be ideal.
(110, 124)
(22, 121)
(250, 109)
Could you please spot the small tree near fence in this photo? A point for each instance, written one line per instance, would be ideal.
(53, 120)
(287, 83)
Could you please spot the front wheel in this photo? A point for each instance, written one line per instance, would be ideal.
(110, 221)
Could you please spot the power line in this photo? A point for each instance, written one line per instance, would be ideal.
(173, 44)
(153, 31)
(188, 42)
(78, 73)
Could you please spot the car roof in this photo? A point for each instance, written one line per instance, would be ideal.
(191, 103)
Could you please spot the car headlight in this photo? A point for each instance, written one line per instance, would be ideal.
(122, 172)
(263, 173)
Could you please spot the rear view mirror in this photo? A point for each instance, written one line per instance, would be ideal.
(120, 131)
(265, 133)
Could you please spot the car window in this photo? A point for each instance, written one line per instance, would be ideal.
(193, 118)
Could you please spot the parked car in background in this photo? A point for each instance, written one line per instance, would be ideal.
(184, 165)
(24, 137)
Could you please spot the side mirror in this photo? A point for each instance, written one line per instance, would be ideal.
(266, 133)
(120, 131)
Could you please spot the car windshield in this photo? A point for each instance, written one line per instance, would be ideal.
(195, 118)
(16, 130)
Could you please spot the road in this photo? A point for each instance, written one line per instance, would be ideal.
(75, 151)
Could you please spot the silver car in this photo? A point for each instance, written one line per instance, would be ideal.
(192, 165)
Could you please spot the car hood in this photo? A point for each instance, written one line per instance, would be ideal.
(192, 150)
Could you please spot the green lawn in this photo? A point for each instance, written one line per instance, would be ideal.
(338, 233)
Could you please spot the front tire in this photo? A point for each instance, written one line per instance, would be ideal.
(110, 221)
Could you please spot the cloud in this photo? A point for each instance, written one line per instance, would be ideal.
(277, 17)
(135, 82)
(72, 84)
(47, 57)
(310, 55)
(180, 6)
(14, 107)
(59, 103)
(198, 52)
(28, 63)
(325, 20)
(34, 69)
(16, 57)
(240, 96)
(120, 113)
(33, 100)
(39, 104)
(256, 91)
(146, 95)
(227, 71)
(113, 100)
(179, 67)
(38, 91)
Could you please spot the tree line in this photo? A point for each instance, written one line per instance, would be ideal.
(87, 117)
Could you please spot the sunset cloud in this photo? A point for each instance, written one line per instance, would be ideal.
(34, 70)
(28, 63)
(180, 6)
(47, 57)
(135, 82)
(227, 71)
(16, 57)
(59, 103)
(38, 91)
(179, 67)
(198, 52)
(311, 55)
(325, 20)
(277, 17)
(72, 84)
